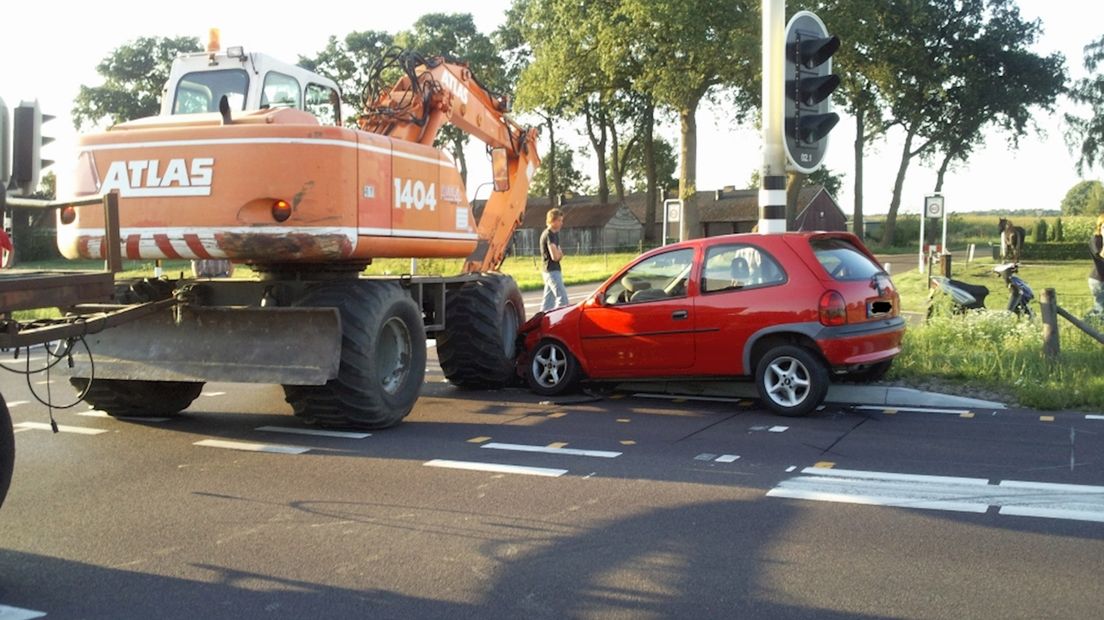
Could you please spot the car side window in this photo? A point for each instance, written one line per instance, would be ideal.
(280, 91)
(324, 103)
(733, 267)
(663, 276)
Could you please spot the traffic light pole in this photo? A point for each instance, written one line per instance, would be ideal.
(772, 191)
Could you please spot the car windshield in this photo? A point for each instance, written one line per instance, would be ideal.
(200, 91)
(842, 260)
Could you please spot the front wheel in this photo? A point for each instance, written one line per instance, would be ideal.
(791, 380)
(552, 369)
(129, 398)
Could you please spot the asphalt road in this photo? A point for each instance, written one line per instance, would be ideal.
(503, 505)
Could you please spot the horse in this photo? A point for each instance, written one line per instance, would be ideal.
(1012, 240)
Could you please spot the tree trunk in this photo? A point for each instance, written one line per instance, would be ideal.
(943, 170)
(898, 186)
(458, 154)
(553, 188)
(598, 141)
(651, 194)
(860, 144)
(617, 170)
(690, 227)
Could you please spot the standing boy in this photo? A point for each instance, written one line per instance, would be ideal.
(1096, 274)
(555, 294)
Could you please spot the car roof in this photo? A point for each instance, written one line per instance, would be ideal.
(756, 238)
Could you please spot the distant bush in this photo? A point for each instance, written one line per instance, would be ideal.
(1065, 250)
(1040, 231)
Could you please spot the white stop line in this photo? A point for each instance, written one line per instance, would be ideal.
(1013, 497)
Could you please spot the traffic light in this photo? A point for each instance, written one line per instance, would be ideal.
(27, 143)
(809, 84)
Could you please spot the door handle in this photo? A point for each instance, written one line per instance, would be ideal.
(680, 315)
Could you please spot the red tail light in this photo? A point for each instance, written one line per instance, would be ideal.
(833, 310)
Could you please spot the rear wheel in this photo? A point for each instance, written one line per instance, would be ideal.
(383, 355)
(552, 369)
(791, 380)
(7, 450)
(138, 399)
(478, 348)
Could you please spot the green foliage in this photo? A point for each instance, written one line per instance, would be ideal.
(1055, 251)
(349, 62)
(1086, 133)
(666, 167)
(568, 178)
(134, 75)
(1056, 232)
(1040, 231)
(1084, 198)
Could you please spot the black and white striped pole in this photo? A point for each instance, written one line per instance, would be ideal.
(797, 116)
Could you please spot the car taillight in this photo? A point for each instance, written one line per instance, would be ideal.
(832, 309)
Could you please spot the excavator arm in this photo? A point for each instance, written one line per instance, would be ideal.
(434, 91)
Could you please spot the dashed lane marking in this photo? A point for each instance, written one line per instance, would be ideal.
(96, 413)
(18, 613)
(1046, 418)
(1094, 417)
(42, 426)
(315, 432)
(497, 468)
(479, 439)
(16, 403)
(251, 447)
(602, 454)
(213, 394)
(727, 458)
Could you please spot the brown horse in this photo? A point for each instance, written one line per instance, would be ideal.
(1012, 240)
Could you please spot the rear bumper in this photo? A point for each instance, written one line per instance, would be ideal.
(867, 343)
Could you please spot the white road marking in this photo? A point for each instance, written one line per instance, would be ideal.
(18, 613)
(976, 495)
(213, 394)
(251, 447)
(16, 403)
(791, 468)
(42, 426)
(96, 413)
(778, 429)
(602, 454)
(431, 342)
(914, 409)
(497, 468)
(1094, 417)
(727, 458)
(311, 431)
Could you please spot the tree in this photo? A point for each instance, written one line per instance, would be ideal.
(688, 51)
(561, 165)
(1087, 133)
(349, 62)
(666, 167)
(1085, 198)
(134, 75)
(455, 36)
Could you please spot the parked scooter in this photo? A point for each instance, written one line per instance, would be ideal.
(965, 296)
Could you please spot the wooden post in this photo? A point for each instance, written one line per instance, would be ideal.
(112, 254)
(1049, 304)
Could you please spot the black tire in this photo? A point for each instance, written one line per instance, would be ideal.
(478, 347)
(7, 450)
(383, 358)
(791, 380)
(138, 399)
(552, 369)
(873, 372)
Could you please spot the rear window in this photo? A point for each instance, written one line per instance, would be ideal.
(842, 260)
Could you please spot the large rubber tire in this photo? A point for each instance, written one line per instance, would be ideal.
(139, 399)
(552, 369)
(791, 380)
(383, 358)
(478, 348)
(7, 450)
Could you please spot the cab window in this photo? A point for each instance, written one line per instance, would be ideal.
(323, 102)
(732, 267)
(280, 91)
(663, 276)
(201, 91)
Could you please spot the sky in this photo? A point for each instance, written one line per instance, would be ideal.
(51, 64)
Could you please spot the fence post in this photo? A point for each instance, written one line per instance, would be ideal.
(1049, 304)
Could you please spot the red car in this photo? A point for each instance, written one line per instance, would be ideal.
(789, 309)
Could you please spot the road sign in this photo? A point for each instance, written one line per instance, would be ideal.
(933, 206)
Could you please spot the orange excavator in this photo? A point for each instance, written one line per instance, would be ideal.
(239, 167)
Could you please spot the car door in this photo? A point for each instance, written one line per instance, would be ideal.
(644, 323)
